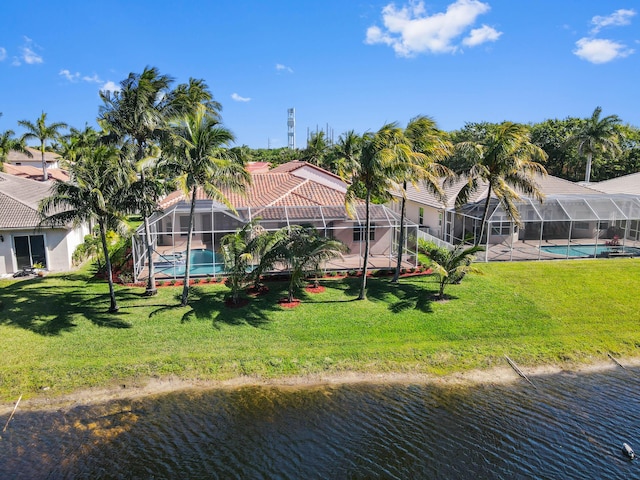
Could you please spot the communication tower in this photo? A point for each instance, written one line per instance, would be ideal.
(291, 124)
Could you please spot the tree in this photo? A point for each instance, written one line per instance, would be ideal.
(316, 149)
(93, 194)
(342, 156)
(563, 159)
(69, 146)
(301, 249)
(238, 252)
(450, 266)
(596, 135)
(8, 143)
(374, 173)
(428, 146)
(134, 118)
(43, 133)
(196, 155)
(505, 160)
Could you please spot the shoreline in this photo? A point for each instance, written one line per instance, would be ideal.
(158, 386)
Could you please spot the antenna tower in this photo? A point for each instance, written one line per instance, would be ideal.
(291, 125)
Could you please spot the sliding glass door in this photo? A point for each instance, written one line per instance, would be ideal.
(29, 250)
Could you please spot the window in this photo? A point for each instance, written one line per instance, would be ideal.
(30, 250)
(439, 219)
(358, 233)
(421, 216)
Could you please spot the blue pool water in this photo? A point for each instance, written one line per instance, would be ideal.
(587, 250)
(201, 262)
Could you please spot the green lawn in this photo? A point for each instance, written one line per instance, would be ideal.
(55, 332)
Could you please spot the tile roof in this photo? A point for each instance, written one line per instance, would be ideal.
(18, 157)
(19, 199)
(34, 173)
(625, 184)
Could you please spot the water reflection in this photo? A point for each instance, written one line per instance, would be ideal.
(572, 426)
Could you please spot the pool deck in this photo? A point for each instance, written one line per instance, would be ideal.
(530, 250)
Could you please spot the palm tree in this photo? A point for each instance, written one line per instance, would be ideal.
(93, 195)
(44, 133)
(134, 117)
(196, 155)
(505, 160)
(238, 252)
(428, 147)
(375, 171)
(316, 149)
(8, 143)
(596, 135)
(450, 266)
(301, 249)
(70, 146)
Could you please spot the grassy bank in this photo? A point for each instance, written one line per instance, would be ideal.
(55, 333)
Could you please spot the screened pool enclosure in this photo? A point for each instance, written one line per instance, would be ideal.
(213, 221)
(562, 226)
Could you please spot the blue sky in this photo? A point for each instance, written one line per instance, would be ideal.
(346, 64)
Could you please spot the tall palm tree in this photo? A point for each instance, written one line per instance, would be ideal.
(8, 143)
(93, 195)
(196, 154)
(44, 133)
(596, 135)
(428, 147)
(316, 149)
(69, 146)
(505, 160)
(134, 117)
(375, 172)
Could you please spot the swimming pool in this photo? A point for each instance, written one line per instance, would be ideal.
(588, 250)
(201, 262)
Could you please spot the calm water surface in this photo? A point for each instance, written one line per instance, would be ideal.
(571, 426)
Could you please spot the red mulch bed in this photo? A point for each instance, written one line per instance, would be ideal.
(261, 290)
(286, 304)
(314, 289)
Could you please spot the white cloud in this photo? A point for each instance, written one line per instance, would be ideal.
(93, 79)
(72, 77)
(596, 50)
(410, 31)
(3, 54)
(238, 98)
(618, 18)
(29, 55)
(110, 86)
(283, 68)
(478, 36)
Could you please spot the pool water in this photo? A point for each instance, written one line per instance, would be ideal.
(588, 250)
(201, 262)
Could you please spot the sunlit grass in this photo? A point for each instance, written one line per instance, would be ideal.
(55, 332)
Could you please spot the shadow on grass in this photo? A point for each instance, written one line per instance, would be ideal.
(205, 304)
(49, 307)
(402, 296)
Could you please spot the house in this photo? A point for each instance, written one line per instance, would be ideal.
(295, 193)
(626, 184)
(35, 173)
(571, 215)
(35, 160)
(22, 242)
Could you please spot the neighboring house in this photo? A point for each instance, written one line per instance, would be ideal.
(571, 214)
(295, 193)
(22, 243)
(22, 159)
(35, 173)
(626, 184)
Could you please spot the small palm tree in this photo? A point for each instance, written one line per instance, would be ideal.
(94, 194)
(505, 160)
(44, 133)
(596, 135)
(450, 266)
(196, 155)
(238, 253)
(301, 249)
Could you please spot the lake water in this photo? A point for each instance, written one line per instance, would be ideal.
(571, 427)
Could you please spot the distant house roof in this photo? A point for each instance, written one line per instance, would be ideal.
(19, 157)
(34, 173)
(258, 167)
(549, 185)
(281, 186)
(19, 198)
(625, 184)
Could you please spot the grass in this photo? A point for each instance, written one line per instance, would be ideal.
(55, 332)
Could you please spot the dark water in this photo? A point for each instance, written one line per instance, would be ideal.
(570, 427)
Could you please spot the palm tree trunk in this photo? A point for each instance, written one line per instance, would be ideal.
(185, 288)
(151, 279)
(363, 285)
(484, 218)
(587, 173)
(113, 308)
(396, 275)
(45, 175)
